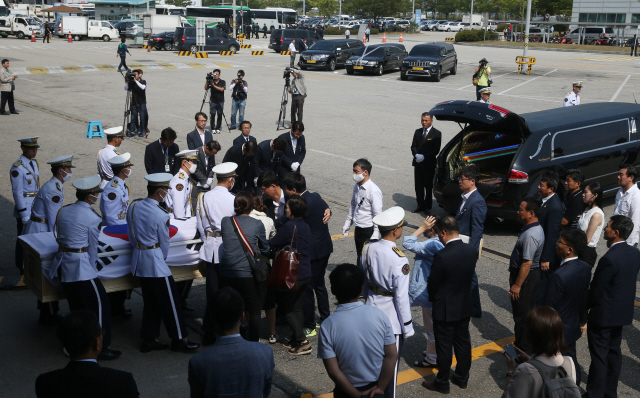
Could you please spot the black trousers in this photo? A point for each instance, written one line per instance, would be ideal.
(476, 305)
(589, 256)
(116, 299)
(338, 393)
(19, 250)
(571, 351)
(317, 286)
(522, 306)
(161, 303)
(91, 296)
(7, 96)
(634, 50)
(361, 236)
(291, 303)
(253, 296)
(297, 105)
(423, 182)
(216, 108)
(606, 360)
(211, 287)
(452, 337)
(184, 288)
(48, 309)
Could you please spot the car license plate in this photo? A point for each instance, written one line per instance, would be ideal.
(311, 62)
(417, 68)
(358, 67)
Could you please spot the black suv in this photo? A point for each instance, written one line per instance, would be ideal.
(327, 54)
(184, 39)
(162, 41)
(377, 58)
(512, 151)
(430, 60)
(281, 38)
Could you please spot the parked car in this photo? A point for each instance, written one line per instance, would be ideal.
(128, 27)
(450, 26)
(432, 25)
(471, 26)
(329, 54)
(592, 33)
(492, 25)
(184, 39)
(162, 41)
(430, 60)
(377, 58)
(281, 38)
(513, 150)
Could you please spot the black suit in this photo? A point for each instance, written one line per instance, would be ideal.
(610, 303)
(551, 213)
(201, 175)
(154, 158)
(567, 294)
(449, 288)
(265, 160)
(244, 172)
(241, 140)
(423, 172)
(290, 156)
(194, 141)
(86, 379)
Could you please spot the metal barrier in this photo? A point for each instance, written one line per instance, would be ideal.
(522, 61)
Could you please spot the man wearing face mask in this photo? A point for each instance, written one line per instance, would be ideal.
(179, 199)
(366, 203)
(78, 229)
(115, 136)
(44, 210)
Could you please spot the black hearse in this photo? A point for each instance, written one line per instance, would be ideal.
(328, 54)
(513, 150)
(377, 58)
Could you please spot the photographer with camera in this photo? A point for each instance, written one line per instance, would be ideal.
(482, 77)
(138, 103)
(298, 92)
(238, 89)
(216, 102)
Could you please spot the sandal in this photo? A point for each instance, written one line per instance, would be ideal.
(424, 364)
(272, 339)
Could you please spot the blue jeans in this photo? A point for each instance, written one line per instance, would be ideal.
(237, 104)
(138, 119)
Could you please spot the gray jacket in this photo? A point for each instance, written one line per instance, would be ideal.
(234, 263)
(5, 80)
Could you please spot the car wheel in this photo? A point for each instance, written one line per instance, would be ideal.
(438, 75)
(379, 70)
(168, 46)
(332, 65)
(193, 48)
(403, 76)
(233, 48)
(349, 71)
(76, 38)
(20, 35)
(448, 29)
(454, 70)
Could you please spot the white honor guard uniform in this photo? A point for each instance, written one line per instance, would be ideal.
(25, 181)
(179, 199)
(572, 98)
(115, 197)
(48, 201)
(106, 153)
(387, 279)
(485, 91)
(213, 206)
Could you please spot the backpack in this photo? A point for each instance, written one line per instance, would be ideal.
(557, 382)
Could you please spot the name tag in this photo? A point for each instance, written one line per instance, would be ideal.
(167, 168)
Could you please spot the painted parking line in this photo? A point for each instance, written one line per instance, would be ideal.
(72, 69)
(620, 89)
(38, 70)
(340, 236)
(166, 65)
(412, 374)
(528, 81)
(106, 67)
(55, 69)
(89, 68)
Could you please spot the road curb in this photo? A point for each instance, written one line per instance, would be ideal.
(543, 49)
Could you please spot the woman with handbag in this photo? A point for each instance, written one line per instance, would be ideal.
(240, 268)
(296, 234)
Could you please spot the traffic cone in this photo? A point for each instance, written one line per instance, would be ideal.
(33, 37)
(384, 37)
(148, 48)
(364, 38)
(70, 40)
(400, 37)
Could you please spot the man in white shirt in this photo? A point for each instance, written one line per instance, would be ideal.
(293, 49)
(115, 136)
(628, 200)
(366, 203)
(347, 33)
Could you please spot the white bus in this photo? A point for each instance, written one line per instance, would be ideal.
(276, 17)
(170, 10)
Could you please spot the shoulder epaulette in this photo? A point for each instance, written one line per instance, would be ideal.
(114, 183)
(181, 176)
(398, 251)
(18, 163)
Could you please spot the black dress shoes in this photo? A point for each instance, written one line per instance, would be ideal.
(431, 386)
(152, 345)
(4, 113)
(418, 210)
(108, 353)
(184, 345)
(15, 113)
(461, 384)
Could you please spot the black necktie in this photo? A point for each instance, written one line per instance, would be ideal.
(32, 168)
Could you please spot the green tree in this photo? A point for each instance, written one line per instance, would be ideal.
(553, 7)
(325, 7)
(377, 8)
(178, 3)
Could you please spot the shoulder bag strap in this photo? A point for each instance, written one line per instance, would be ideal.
(206, 213)
(373, 282)
(295, 234)
(133, 222)
(243, 239)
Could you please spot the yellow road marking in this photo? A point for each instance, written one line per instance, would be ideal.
(418, 373)
(224, 65)
(340, 236)
(105, 67)
(38, 70)
(195, 65)
(168, 66)
(137, 66)
(72, 69)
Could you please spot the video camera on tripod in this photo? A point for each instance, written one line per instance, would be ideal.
(129, 77)
(287, 77)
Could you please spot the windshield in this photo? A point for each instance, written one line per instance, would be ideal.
(31, 21)
(323, 46)
(289, 17)
(378, 52)
(431, 52)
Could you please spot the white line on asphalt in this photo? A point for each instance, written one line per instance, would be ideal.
(471, 85)
(55, 69)
(29, 80)
(339, 156)
(619, 89)
(89, 68)
(180, 117)
(96, 96)
(528, 81)
(20, 71)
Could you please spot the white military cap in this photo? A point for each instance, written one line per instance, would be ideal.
(114, 132)
(31, 142)
(88, 184)
(64, 161)
(486, 90)
(158, 179)
(390, 219)
(189, 154)
(577, 84)
(121, 160)
(227, 169)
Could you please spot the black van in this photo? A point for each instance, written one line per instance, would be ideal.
(327, 54)
(430, 60)
(377, 58)
(513, 150)
(281, 38)
(184, 39)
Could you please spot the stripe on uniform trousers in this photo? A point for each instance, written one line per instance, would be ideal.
(173, 307)
(394, 381)
(95, 288)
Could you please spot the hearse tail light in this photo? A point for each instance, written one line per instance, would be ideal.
(493, 203)
(499, 109)
(518, 177)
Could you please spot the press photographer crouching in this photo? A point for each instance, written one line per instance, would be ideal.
(138, 103)
(216, 104)
(298, 92)
(238, 89)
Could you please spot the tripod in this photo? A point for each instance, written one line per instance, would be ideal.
(283, 106)
(127, 113)
(204, 100)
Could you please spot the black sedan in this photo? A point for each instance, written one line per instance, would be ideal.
(162, 41)
(377, 58)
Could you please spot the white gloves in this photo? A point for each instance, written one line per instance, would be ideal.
(375, 235)
(208, 183)
(409, 334)
(255, 181)
(345, 231)
(294, 166)
(419, 158)
(25, 219)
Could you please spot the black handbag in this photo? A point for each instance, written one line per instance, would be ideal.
(259, 268)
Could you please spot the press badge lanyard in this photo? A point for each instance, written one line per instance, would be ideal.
(165, 153)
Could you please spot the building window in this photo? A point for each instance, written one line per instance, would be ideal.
(604, 18)
(635, 18)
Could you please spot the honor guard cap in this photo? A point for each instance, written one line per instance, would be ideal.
(114, 132)
(64, 161)
(88, 184)
(486, 90)
(227, 169)
(29, 142)
(390, 219)
(189, 154)
(577, 84)
(158, 179)
(123, 160)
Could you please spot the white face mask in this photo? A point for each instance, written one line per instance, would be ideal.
(358, 177)
(127, 175)
(192, 168)
(162, 197)
(95, 200)
(67, 177)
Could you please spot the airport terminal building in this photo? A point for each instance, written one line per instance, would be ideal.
(602, 12)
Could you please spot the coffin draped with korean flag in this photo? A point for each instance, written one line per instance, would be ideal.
(114, 258)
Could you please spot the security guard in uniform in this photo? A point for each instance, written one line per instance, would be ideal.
(387, 283)
(573, 98)
(77, 230)
(213, 206)
(25, 183)
(115, 136)
(485, 94)
(148, 230)
(179, 200)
